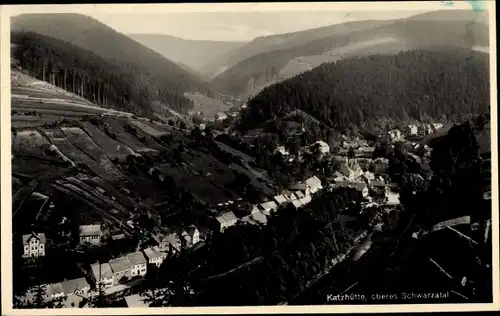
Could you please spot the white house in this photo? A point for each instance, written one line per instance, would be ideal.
(55, 290)
(305, 200)
(103, 274)
(297, 203)
(314, 184)
(34, 245)
(392, 197)
(221, 116)
(395, 134)
(191, 235)
(90, 234)
(323, 147)
(268, 207)
(138, 263)
(154, 256)
(226, 220)
(77, 286)
(282, 150)
(280, 199)
(121, 267)
(302, 188)
(412, 129)
(255, 209)
(437, 126)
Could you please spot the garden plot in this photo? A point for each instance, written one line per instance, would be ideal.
(148, 129)
(77, 155)
(82, 141)
(29, 142)
(113, 148)
(117, 128)
(144, 137)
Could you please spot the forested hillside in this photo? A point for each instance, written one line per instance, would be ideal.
(422, 85)
(162, 79)
(70, 67)
(410, 34)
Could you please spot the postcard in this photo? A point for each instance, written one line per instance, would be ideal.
(249, 158)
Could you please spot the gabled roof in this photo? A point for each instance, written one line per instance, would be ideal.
(136, 258)
(299, 194)
(120, 264)
(280, 199)
(271, 205)
(190, 231)
(297, 203)
(39, 236)
(90, 230)
(299, 186)
(106, 271)
(152, 253)
(70, 286)
(53, 289)
(313, 182)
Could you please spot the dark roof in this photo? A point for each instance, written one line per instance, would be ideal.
(136, 258)
(106, 271)
(120, 264)
(39, 236)
(70, 286)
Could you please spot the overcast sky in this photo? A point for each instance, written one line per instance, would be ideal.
(239, 21)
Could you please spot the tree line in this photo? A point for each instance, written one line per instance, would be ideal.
(421, 85)
(109, 83)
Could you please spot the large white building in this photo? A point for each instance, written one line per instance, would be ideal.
(34, 245)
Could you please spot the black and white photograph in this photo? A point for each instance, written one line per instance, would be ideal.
(250, 155)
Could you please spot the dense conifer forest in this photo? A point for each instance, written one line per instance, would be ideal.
(413, 85)
(155, 76)
(409, 34)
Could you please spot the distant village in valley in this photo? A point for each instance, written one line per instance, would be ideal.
(358, 171)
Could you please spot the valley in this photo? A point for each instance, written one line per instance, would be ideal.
(150, 170)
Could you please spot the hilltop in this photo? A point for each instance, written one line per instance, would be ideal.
(281, 57)
(195, 54)
(422, 85)
(158, 78)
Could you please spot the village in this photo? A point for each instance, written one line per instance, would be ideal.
(358, 170)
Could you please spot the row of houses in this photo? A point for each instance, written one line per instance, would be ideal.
(124, 268)
(298, 195)
(414, 130)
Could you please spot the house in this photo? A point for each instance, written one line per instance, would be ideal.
(395, 134)
(268, 207)
(297, 203)
(34, 245)
(392, 197)
(191, 235)
(365, 151)
(226, 220)
(322, 147)
(90, 234)
(299, 194)
(53, 291)
(103, 274)
(121, 268)
(171, 243)
(282, 150)
(135, 300)
(154, 256)
(138, 263)
(305, 200)
(314, 184)
(368, 176)
(244, 106)
(437, 126)
(301, 187)
(255, 209)
(202, 126)
(280, 199)
(352, 170)
(221, 116)
(78, 286)
(412, 130)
